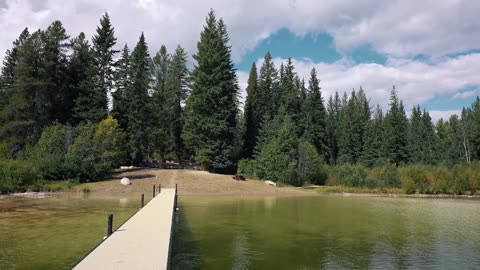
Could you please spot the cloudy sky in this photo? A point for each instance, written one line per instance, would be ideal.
(429, 49)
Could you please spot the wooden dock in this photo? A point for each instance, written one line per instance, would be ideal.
(143, 242)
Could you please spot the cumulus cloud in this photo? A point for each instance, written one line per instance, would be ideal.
(397, 28)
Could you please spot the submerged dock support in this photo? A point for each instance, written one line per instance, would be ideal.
(175, 207)
(153, 195)
(143, 201)
(110, 225)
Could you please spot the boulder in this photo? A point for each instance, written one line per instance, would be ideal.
(125, 181)
(271, 183)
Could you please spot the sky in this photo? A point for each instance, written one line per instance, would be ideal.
(430, 49)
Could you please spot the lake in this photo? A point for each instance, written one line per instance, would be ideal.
(327, 232)
(321, 232)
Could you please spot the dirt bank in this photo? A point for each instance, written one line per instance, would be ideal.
(189, 183)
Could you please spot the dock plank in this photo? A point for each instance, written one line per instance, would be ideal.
(143, 242)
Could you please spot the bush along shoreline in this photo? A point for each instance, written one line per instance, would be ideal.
(459, 179)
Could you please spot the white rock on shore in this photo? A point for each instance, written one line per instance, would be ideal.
(271, 183)
(125, 181)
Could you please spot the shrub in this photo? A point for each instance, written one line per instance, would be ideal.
(417, 178)
(247, 167)
(465, 177)
(49, 152)
(16, 175)
(97, 150)
(310, 165)
(383, 176)
(348, 175)
(441, 180)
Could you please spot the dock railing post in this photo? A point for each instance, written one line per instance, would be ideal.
(110, 225)
(143, 201)
(153, 195)
(175, 199)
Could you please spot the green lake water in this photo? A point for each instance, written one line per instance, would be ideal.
(327, 232)
(55, 232)
(322, 232)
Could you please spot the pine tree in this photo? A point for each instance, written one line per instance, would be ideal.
(474, 128)
(80, 73)
(268, 96)
(251, 122)
(21, 117)
(290, 92)
(55, 91)
(177, 86)
(314, 116)
(396, 128)
(415, 140)
(444, 134)
(161, 107)
(7, 75)
(103, 42)
(122, 83)
(374, 140)
(333, 127)
(429, 140)
(138, 114)
(211, 109)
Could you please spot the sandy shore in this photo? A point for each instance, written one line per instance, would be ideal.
(190, 183)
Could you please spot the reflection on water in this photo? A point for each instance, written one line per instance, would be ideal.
(326, 232)
(55, 232)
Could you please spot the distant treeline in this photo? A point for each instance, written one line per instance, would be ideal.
(56, 121)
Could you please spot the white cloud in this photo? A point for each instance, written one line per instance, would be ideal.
(436, 115)
(398, 28)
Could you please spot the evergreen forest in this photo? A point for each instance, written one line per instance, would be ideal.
(74, 108)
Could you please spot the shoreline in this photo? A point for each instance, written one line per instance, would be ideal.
(193, 183)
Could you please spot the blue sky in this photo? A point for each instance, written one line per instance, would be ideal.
(430, 49)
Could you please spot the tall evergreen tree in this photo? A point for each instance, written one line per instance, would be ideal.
(7, 74)
(396, 128)
(56, 91)
(429, 140)
(22, 117)
(373, 149)
(122, 83)
(103, 42)
(333, 127)
(314, 116)
(177, 86)
(415, 140)
(80, 73)
(211, 109)
(250, 113)
(268, 96)
(161, 109)
(138, 113)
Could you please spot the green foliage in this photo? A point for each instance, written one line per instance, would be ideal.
(96, 151)
(277, 149)
(310, 165)
(49, 152)
(17, 175)
(138, 109)
(252, 123)
(209, 130)
(348, 175)
(247, 167)
(383, 177)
